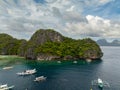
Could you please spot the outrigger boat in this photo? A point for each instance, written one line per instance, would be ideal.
(6, 87)
(27, 72)
(100, 83)
(6, 68)
(41, 78)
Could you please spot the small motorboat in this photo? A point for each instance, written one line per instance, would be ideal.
(6, 87)
(27, 72)
(41, 78)
(6, 68)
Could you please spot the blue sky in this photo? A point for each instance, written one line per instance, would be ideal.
(73, 18)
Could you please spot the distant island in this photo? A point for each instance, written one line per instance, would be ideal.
(104, 42)
(47, 44)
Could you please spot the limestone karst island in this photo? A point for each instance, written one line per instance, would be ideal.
(47, 44)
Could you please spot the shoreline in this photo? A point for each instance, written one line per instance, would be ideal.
(16, 57)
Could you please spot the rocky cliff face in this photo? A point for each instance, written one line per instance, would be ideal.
(92, 51)
(22, 48)
(40, 37)
(50, 45)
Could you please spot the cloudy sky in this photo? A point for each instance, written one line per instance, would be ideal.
(72, 18)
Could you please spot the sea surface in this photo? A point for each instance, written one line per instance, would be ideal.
(65, 75)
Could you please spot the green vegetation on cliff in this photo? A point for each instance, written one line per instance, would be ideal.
(52, 45)
(49, 44)
(9, 45)
(85, 48)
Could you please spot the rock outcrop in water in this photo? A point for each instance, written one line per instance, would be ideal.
(50, 45)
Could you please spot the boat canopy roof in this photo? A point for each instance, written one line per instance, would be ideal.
(99, 80)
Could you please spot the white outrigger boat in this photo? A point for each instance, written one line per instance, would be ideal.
(41, 78)
(6, 87)
(27, 72)
(100, 83)
(6, 68)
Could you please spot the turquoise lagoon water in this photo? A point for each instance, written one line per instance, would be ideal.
(65, 75)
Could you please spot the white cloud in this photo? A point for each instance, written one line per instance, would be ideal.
(104, 1)
(94, 27)
(70, 9)
(96, 21)
(23, 17)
